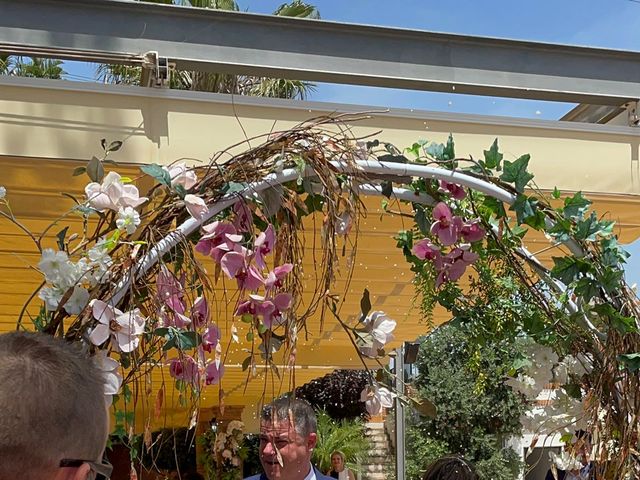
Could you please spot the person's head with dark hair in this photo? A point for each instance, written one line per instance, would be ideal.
(54, 421)
(287, 438)
(451, 467)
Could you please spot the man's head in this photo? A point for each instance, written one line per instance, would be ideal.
(52, 409)
(287, 438)
(450, 467)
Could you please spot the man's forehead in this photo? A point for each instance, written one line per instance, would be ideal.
(270, 427)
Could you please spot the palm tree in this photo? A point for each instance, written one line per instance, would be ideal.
(221, 82)
(31, 67)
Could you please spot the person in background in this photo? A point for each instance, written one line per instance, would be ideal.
(575, 463)
(338, 467)
(451, 467)
(53, 412)
(287, 438)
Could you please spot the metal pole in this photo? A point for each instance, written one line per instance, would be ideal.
(400, 447)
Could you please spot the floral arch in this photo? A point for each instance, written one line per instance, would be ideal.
(133, 284)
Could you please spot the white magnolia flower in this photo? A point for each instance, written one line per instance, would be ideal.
(196, 206)
(376, 397)
(565, 461)
(3, 192)
(51, 297)
(113, 194)
(380, 327)
(124, 328)
(110, 369)
(128, 219)
(77, 301)
(526, 385)
(180, 174)
(99, 263)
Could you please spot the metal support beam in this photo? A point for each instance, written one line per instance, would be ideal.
(399, 411)
(231, 42)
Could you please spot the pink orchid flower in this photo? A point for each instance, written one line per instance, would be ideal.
(455, 190)
(425, 250)
(446, 226)
(172, 313)
(214, 372)
(235, 265)
(168, 285)
(275, 277)
(124, 328)
(472, 231)
(185, 369)
(244, 217)
(200, 312)
(452, 266)
(264, 245)
(210, 338)
(219, 238)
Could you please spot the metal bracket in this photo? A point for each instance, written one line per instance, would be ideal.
(156, 70)
(632, 113)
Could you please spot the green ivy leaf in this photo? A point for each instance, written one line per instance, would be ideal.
(246, 363)
(621, 323)
(516, 172)
(156, 171)
(575, 206)
(556, 193)
(496, 206)
(630, 361)
(573, 390)
(611, 279)
(591, 228)
(421, 220)
(387, 188)
(525, 207)
(492, 157)
(567, 269)
(435, 150)
(79, 171)
(188, 340)
(587, 288)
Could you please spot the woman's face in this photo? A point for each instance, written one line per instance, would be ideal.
(336, 463)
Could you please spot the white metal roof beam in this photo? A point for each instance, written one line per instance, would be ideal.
(213, 40)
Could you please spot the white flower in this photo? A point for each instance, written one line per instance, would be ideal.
(3, 192)
(526, 385)
(128, 219)
(113, 194)
(196, 206)
(99, 263)
(77, 301)
(180, 174)
(52, 264)
(110, 370)
(51, 297)
(376, 397)
(124, 328)
(380, 327)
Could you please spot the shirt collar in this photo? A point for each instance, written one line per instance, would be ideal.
(312, 473)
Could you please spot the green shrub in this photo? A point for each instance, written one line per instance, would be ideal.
(345, 435)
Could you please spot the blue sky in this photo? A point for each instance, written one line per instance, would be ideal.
(597, 23)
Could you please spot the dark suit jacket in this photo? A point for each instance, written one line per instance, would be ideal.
(262, 476)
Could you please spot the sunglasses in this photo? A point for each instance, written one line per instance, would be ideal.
(99, 471)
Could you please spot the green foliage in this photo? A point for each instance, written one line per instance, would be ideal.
(475, 409)
(345, 435)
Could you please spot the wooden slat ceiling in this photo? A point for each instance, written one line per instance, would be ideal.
(34, 187)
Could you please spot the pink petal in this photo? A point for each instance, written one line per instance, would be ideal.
(441, 212)
(99, 334)
(214, 373)
(200, 311)
(457, 270)
(448, 236)
(424, 249)
(102, 312)
(204, 246)
(282, 301)
(232, 263)
(175, 304)
(254, 279)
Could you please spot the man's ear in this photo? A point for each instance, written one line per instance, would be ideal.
(79, 473)
(312, 440)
